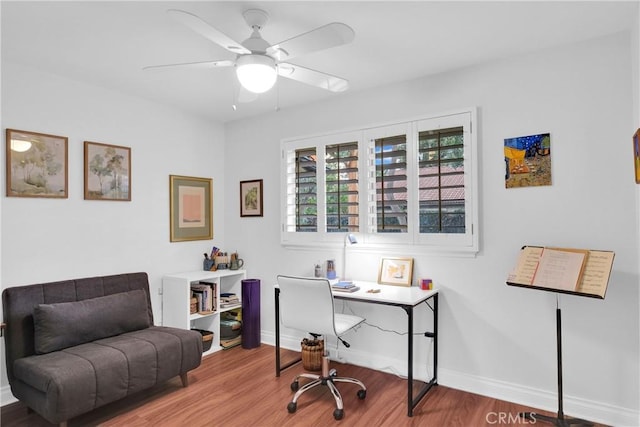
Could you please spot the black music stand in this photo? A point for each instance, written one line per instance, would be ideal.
(598, 265)
(560, 419)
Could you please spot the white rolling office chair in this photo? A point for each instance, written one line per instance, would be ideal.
(306, 304)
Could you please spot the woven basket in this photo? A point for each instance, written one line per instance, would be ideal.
(312, 351)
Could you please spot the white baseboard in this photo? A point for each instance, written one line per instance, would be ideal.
(510, 392)
(6, 397)
(541, 399)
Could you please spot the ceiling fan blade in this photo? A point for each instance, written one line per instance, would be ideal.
(203, 28)
(330, 35)
(312, 77)
(203, 64)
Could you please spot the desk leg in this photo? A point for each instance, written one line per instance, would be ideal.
(411, 402)
(277, 308)
(409, 311)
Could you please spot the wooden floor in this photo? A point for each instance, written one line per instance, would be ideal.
(238, 387)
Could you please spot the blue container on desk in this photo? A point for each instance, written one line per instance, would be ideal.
(250, 313)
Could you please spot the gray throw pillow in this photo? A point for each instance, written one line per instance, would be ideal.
(66, 324)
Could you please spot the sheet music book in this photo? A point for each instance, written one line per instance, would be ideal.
(577, 271)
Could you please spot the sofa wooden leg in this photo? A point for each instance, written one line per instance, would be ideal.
(185, 379)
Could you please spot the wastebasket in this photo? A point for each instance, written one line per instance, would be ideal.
(250, 313)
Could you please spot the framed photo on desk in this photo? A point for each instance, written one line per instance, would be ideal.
(396, 271)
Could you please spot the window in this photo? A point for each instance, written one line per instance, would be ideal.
(410, 183)
(306, 194)
(341, 178)
(391, 184)
(441, 180)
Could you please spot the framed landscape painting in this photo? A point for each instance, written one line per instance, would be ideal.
(191, 208)
(37, 164)
(107, 172)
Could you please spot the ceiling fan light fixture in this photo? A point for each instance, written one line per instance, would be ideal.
(256, 73)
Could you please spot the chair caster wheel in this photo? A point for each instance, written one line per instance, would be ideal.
(295, 386)
(338, 414)
(362, 394)
(292, 406)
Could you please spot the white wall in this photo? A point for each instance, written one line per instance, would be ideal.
(55, 239)
(495, 339)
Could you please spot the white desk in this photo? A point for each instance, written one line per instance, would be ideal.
(406, 298)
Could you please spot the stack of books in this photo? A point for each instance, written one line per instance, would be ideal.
(345, 286)
(229, 299)
(204, 292)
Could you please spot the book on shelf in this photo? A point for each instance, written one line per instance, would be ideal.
(205, 293)
(229, 299)
(579, 271)
(231, 342)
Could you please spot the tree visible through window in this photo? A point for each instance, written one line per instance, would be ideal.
(391, 184)
(441, 180)
(341, 163)
(306, 190)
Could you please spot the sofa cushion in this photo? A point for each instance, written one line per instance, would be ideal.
(84, 377)
(62, 325)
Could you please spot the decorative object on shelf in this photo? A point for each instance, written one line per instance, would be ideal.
(396, 271)
(107, 172)
(251, 198)
(636, 154)
(207, 263)
(236, 262)
(37, 164)
(190, 212)
(527, 161)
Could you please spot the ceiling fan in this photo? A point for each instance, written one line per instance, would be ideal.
(258, 63)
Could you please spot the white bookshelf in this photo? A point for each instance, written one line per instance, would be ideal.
(176, 295)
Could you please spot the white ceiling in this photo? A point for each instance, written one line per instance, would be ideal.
(107, 43)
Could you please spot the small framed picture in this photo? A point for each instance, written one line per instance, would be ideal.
(251, 198)
(107, 172)
(396, 271)
(37, 164)
(190, 211)
(636, 155)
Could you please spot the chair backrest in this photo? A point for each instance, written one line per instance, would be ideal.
(306, 304)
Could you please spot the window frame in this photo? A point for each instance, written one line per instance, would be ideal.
(412, 241)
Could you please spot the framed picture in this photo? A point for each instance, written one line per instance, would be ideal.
(636, 154)
(396, 271)
(107, 172)
(191, 210)
(37, 164)
(251, 198)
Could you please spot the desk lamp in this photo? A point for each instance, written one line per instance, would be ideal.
(351, 239)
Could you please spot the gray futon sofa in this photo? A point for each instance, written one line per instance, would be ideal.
(75, 345)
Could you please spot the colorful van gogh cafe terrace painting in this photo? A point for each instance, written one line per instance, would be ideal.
(527, 161)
